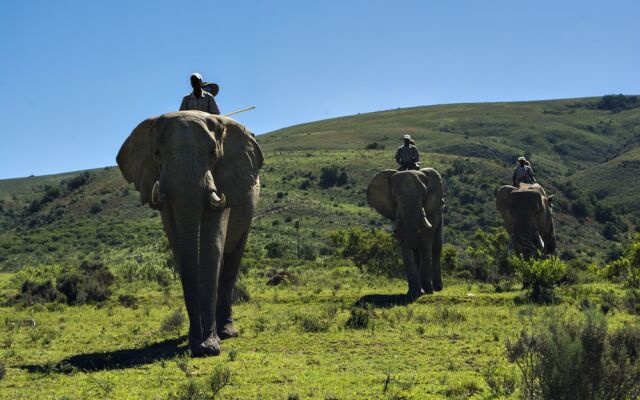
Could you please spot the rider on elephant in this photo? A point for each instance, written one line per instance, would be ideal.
(523, 173)
(407, 155)
(199, 99)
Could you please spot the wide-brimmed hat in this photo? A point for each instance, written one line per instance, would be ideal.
(522, 159)
(211, 87)
(406, 137)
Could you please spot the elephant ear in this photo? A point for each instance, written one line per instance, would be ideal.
(236, 173)
(135, 160)
(502, 204)
(379, 194)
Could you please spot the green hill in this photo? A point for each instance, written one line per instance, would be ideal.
(586, 151)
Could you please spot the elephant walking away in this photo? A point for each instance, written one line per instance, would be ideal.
(527, 216)
(413, 201)
(201, 171)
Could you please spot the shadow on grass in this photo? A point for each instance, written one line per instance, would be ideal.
(382, 300)
(119, 359)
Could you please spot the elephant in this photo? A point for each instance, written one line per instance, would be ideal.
(413, 201)
(201, 172)
(527, 216)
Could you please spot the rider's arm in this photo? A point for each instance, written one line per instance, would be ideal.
(398, 156)
(515, 174)
(213, 107)
(183, 105)
(416, 155)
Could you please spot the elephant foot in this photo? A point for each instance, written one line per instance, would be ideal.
(437, 285)
(413, 296)
(227, 332)
(209, 347)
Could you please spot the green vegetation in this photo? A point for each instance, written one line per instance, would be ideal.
(91, 307)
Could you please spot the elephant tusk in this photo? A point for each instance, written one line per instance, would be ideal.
(155, 194)
(540, 242)
(426, 223)
(217, 202)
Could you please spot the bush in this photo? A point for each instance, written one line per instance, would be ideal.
(308, 252)
(240, 293)
(541, 276)
(332, 176)
(372, 251)
(274, 250)
(173, 323)
(3, 370)
(90, 283)
(626, 268)
(313, 323)
(487, 259)
(359, 318)
(128, 300)
(374, 146)
(577, 359)
(78, 181)
(37, 292)
(617, 103)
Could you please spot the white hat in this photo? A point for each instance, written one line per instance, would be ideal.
(407, 137)
(197, 75)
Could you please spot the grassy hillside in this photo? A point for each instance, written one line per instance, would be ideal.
(588, 157)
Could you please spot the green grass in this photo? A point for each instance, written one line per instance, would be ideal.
(429, 349)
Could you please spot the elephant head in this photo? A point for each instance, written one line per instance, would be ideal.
(193, 167)
(401, 197)
(412, 200)
(526, 214)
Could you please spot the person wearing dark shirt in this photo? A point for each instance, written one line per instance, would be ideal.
(407, 155)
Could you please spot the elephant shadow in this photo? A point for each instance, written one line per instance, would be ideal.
(382, 300)
(113, 360)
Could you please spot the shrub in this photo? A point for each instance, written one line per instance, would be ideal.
(274, 250)
(332, 176)
(218, 380)
(78, 181)
(627, 267)
(90, 283)
(541, 276)
(372, 251)
(577, 359)
(128, 300)
(240, 293)
(37, 292)
(308, 252)
(173, 323)
(617, 103)
(487, 259)
(191, 390)
(313, 323)
(359, 318)
(374, 146)
(3, 370)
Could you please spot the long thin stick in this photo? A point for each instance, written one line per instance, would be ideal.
(239, 111)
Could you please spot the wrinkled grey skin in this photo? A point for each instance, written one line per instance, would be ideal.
(201, 171)
(527, 217)
(401, 196)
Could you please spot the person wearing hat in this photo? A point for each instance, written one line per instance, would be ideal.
(200, 99)
(523, 173)
(407, 156)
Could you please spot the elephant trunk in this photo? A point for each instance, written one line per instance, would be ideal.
(187, 255)
(410, 219)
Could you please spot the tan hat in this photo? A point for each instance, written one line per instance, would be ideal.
(522, 159)
(406, 137)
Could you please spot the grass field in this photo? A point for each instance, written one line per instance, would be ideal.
(294, 341)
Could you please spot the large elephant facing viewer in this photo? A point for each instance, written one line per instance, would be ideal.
(201, 171)
(412, 200)
(527, 217)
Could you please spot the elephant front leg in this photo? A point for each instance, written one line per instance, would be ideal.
(412, 273)
(227, 282)
(426, 265)
(211, 253)
(437, 252)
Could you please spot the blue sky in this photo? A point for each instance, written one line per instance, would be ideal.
(77, 76)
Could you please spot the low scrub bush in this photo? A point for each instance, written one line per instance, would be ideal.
(540, 276)
(37, 292)
(359, 318)
(90, 283)
(626, 268)
(487, 259)
(332, 176)
(173, 322)
(577, 358)
(372, 251)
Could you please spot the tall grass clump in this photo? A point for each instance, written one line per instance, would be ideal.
(540, 276)
(577, 358)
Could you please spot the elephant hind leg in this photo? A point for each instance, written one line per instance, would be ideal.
(426, 270)
(437, 251)
(227, 281)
